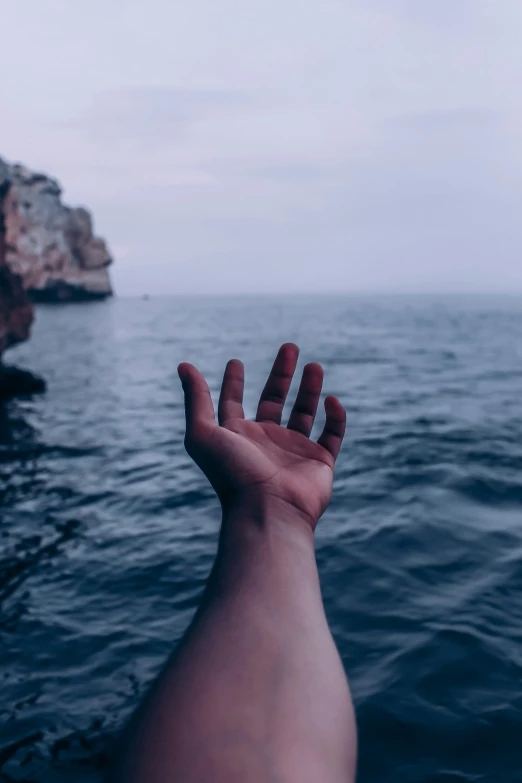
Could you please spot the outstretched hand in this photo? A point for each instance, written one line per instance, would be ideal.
(261, 461)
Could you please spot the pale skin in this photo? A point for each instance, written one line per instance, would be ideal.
(256, 690)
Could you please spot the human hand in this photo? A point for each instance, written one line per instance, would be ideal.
(250, 462)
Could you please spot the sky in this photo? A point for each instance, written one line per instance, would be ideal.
(227, 146)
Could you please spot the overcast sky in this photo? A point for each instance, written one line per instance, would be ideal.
(278, 145)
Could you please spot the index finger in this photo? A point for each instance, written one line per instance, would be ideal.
(199, 408)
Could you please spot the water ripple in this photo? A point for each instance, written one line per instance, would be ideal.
(108, 531)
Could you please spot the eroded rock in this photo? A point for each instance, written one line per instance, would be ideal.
(16, 313)
(52, 246)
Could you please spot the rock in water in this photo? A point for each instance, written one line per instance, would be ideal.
(52, 246)
(15, 382)
(16, 313)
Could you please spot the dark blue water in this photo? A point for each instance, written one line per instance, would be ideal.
(108, 531)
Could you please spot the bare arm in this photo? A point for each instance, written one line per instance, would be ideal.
(256, 690)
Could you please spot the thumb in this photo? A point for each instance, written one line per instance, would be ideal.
(199, 408)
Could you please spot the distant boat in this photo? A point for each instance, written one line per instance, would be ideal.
(145, 296)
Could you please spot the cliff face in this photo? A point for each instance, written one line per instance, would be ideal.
(16, 312)
(51, 246)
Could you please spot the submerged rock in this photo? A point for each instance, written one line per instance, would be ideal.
(51, 246)
(15, 382)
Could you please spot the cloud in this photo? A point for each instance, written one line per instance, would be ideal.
(150, 113)
(473, 120)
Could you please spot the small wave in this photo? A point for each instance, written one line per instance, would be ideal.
(28, 554)
(489, 490)
(25, 453)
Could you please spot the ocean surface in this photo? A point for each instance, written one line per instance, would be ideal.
(108, 531)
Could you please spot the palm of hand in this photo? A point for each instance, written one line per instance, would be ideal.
(261, 458)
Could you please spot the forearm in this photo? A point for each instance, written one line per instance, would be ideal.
(257, 673)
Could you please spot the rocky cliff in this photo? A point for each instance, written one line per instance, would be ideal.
(16, 312)
(51, 246)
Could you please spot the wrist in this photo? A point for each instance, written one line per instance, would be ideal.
(265, 545)
(262, 541)
(263, 514)
(265, 530)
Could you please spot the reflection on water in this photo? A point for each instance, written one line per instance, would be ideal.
(108, 531)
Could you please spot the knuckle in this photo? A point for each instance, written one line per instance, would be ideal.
(277, 397)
